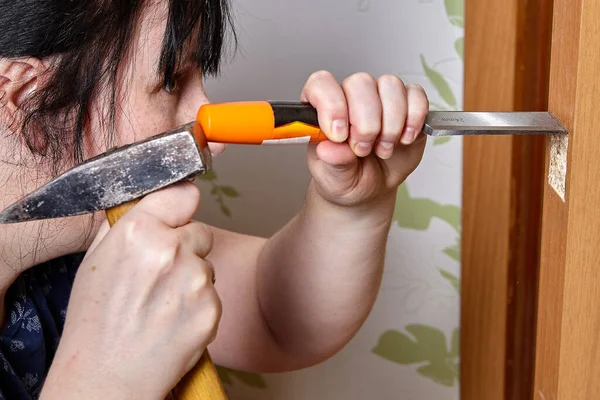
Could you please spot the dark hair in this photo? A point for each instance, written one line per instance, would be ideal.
(91, 39)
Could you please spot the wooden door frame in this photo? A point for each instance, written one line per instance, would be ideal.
(507, 58)
(568, 324)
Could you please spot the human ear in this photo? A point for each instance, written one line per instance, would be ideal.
(18, 79)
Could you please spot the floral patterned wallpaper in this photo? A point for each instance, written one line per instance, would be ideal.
(409, 347)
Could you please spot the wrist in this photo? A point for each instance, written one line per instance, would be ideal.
(74, 378)
(373, 213)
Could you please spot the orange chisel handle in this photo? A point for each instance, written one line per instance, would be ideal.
(260, 122)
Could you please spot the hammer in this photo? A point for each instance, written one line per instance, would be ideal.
(116, 180)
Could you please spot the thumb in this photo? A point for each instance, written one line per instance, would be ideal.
(173, 206)
(334, 161)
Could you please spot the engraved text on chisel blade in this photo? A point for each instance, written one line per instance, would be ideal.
(455, 123)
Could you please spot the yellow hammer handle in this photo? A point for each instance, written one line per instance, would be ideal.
(202, 382)
(115, 213)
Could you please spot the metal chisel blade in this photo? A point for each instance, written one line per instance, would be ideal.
(461, 123)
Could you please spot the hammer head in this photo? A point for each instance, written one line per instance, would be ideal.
(118, 176)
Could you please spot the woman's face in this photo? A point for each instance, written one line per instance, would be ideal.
(146, 108)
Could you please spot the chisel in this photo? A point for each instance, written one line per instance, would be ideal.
(278, 122)
(160, 160)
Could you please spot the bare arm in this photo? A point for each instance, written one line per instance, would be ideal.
(297, 298)
(319, 277)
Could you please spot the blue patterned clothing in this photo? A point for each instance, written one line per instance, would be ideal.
(36, 306)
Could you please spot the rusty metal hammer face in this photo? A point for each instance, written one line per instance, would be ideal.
(118, 176)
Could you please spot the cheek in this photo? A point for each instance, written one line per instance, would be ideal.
(142, 114)
(151, 116)
(138, 116)
(145, 114)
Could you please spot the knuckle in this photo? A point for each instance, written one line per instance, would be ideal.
(366, 134)
(320, 75)
(415, 115)
(360, 78)
(333, 107)
(420, 104)
(164, 256)
(149, 243)
(215, 312)
(209, 318)
(391, 132)
(366, 129)
(202, 278)
(391, 79)
(199, 283)
(335, 104)
(205, 233)
(134, 230)
(418, 111)
(415, 87)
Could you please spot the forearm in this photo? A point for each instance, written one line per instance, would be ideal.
(319, 276)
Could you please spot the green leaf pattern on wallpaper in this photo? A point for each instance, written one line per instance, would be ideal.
(427, 346)
(455, 13)
(415, 213)
(435, 356)
(219, 192)
(441, 85)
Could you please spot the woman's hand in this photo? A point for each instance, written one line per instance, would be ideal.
(374, 127)
(143, 306)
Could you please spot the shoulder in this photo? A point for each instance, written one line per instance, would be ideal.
(36, 307)
(42, 291)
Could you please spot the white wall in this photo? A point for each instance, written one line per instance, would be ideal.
(281, 43)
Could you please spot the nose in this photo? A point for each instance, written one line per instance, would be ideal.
(191, 98)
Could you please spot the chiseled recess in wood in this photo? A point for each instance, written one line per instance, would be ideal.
(557, 174)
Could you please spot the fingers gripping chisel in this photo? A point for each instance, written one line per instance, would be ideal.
(116, 180)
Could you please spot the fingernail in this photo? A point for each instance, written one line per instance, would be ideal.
(363, 149)
(340, 130)
(408, 136)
